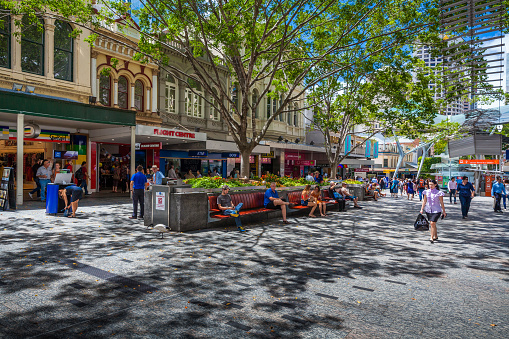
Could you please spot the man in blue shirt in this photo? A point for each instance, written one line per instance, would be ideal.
(497, 190)
(466, 192)
(138, 182)
(157, 176)
(271, 200)
(318, 177)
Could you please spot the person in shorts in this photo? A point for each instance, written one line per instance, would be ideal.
(433, 205)
(345, 193)
(272, 201)
(71, 195)
(225, 204)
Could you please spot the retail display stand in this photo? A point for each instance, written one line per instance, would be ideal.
(7, 192)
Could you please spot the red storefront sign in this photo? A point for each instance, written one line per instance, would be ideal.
(479, 162)
(293, 156)
(305, 162)
(252, 160)
(489, 184)
(171, 133)
(362, 170)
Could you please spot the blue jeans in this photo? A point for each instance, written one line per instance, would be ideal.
(38, 188)
(498, 197)
(420, 193)
(505, 197)
(44, 183)
(452, 193)
(465, 204)
(84, 185)
(235, 211)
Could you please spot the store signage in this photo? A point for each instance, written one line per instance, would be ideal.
(479, 162)
(32, 131)
(230, 155)
(361, 170)
(173, 133)
(489, 183)
(292, 156)
(305, 162)
(268, 155)
(160, 201)
(148, 145)
(198, 153)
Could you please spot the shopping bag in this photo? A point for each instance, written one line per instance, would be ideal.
(421, 224)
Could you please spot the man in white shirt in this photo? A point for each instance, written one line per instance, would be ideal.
(452, 185)
(310, 177)
(171, 173)
(44, 174)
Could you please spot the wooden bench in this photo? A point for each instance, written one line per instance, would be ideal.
(252, 203)
(295, 197)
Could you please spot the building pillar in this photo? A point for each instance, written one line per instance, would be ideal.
(93, 74)
(154, 91)
(115, 93)
(258, 162)
(133, 153)
(282, 163)
(132, 96)
(148, 100)
(182, 98)
(20, 134)
(49, 47)
(15, 45)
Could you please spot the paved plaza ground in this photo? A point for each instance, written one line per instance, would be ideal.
(360, 274)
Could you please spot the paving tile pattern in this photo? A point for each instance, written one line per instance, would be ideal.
(360, 274)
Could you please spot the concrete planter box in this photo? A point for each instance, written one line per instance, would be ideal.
(358, 190)
(216, 190)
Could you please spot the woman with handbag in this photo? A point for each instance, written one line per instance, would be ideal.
(307, 200)
(433, 205)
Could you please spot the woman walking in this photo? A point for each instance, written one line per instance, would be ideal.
(410, 190)
(433, 205)
(466, 192)
(307, 200)
(394, 188)
(317, 196)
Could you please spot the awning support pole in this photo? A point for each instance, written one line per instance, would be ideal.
(133, 153)
(20, 134)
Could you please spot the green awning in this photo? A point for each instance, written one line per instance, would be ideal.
(29, 104)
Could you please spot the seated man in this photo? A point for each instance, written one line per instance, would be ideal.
(334, 191)
(271, 201)
(344, 192)
(225, 204)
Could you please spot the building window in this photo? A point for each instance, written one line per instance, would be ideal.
(170, 94)
(235, 98)
(274, 106)
(269, 105)
(194, 99)
(63, 53)
(289, 116)
(295, 115)
(105, 90)
(386, 162)
(5, 42)
(32, 47)
(214, 112)
(254, 101)
(138, 95)
(123, 92)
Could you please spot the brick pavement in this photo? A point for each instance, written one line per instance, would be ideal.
(350, 275)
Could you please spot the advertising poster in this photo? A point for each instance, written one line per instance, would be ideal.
(160, 201)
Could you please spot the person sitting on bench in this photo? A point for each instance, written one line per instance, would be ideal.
(334, 191)
(370, 191)
(317, 196)
(344, 192)
(272, 201)
(307, 200)
(225, 204)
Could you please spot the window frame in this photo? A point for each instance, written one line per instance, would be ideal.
(214, 113)
(126, 92)
(7, 34)
(194, 100)
(108, 88)
(167, 86)
(142, 100)
(69, 52)
(40, 44)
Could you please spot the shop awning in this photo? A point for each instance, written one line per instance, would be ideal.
(167, 136)
(52, 108)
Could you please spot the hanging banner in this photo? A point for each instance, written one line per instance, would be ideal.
(367, 153)
(375, 150)
(348, 143)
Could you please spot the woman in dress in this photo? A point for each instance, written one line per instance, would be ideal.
(433, 205)
(410, 190)
(317, 196)
(307, 200)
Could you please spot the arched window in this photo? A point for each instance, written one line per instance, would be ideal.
(194, 100)
(254, 101)
(214, 113)
(295, 115)
(170, 94)
(105, 90)
(138, 95)
(5, 42)
(32, 47)
(123, 92)
(269, 105)
(63, 53)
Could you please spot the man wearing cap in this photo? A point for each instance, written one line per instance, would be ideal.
(225, 204)
(157, 176)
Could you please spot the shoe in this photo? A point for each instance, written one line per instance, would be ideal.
(235, 215)
(431, 241)
(88, 194)
(286, 222)
(455, 203)
(435, 239)
(140, 217)
(357, 207)
(133, 217)
(30, 195)
(241, 229)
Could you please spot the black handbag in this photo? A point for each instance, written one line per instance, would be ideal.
(421, 224)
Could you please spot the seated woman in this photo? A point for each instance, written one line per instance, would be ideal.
(317, 196)
(71, 196)
(377, 190)
(306, 200)
(370, 190)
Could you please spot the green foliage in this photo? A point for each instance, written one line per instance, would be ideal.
(426, 166)
(352, 182)
(214, 182)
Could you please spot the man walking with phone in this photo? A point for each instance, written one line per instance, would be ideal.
(452, 185)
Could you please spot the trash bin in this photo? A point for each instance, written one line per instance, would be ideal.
(52, 198)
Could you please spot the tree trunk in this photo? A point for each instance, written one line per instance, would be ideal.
(244, 163)
(333, 170)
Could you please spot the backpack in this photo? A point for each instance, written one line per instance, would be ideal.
(79, 174)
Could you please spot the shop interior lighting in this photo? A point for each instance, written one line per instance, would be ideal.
(30, 89)
(17, 87)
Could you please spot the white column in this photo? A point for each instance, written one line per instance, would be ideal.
(93, 77)
(49, 44)
(98, 79)
(148, 100)
(132, 97)
(154, 93)
(133, 152)
(115, 92)
(20, 134)
(15, 45)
